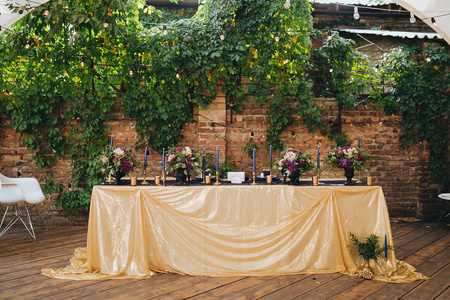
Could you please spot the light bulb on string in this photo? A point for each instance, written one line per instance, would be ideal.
(412, 18)
(105, 23)
(355, 13)
(27, 45)
(330, 35)
(433, 21)
(287, 5)
(377, 67)
(46, 12)
(331, 70)
(277, 37)
(131, 72)
(428, 59)
(177, 75)
(221, 35)
(82, 62)
(164, 29)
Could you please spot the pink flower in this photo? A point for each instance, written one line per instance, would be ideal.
(171, 156)
(177, 149)
(104, 159)
(359, 156)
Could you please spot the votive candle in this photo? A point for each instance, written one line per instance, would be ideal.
(254, 169)
(145, 159)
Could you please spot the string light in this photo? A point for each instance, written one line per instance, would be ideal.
(46, 12)
(330, 35)
(355, 13)
(331, 70)
(164, 29)
(131, 71)
(412, 18)
(82, 62)
(105, 23)
(277, 37)
(27, 45)
(252, 134)
(428, 59)
(377, 67)
(293, 132)
(287, 5)
(178, 75)
(221, 35)
(433, 21)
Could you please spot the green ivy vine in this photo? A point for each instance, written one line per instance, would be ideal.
(421, 84)
(61, 74)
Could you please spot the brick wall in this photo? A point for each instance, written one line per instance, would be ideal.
(404, 175)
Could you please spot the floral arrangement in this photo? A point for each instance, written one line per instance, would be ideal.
(290, 161)
(349, 158)
(115, 161)
(183, 158)
(370, 248)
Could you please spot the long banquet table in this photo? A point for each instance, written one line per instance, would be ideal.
(226, 230)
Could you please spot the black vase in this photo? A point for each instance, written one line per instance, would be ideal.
(118, 176)
(294, 177)
(349, 173)
(180, 177)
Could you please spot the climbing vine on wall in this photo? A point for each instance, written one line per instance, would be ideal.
(421, 85)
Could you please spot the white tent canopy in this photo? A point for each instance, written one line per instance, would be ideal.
(8, 18)
(427, 9)
(423, 9)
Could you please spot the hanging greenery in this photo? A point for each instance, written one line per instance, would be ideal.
(343, 73)
(62, 73)
(421, 83)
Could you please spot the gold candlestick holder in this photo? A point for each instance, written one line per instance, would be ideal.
(109, 179)
(254, 178)
(217, 179)
(163, 178)
(144, 182)
(359, 177)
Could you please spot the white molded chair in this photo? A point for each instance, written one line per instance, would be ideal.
(19, 190)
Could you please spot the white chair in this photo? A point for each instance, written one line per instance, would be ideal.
(445, 197)
(19, 190)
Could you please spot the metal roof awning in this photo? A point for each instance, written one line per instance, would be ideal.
(401, 34)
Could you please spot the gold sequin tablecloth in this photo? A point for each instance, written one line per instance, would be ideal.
(232, 231)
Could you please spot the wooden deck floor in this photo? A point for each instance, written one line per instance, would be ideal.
(425, 246)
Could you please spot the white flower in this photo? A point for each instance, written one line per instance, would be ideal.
(290, 156)
(187, 151)
(119, 151)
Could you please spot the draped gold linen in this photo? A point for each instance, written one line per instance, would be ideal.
(232, 231)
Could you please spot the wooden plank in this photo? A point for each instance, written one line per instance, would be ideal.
(369, 287)
(269, 286)
(331, 288)
(234, 287)
(147, 288)
(428, 268)
(301, 287)
(418, 243)
(431, 288)
(444, 295)
(200, 287)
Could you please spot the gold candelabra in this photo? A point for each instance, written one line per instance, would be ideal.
(217, 179)
(163, 178)
(254, 178)
(144, 182)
